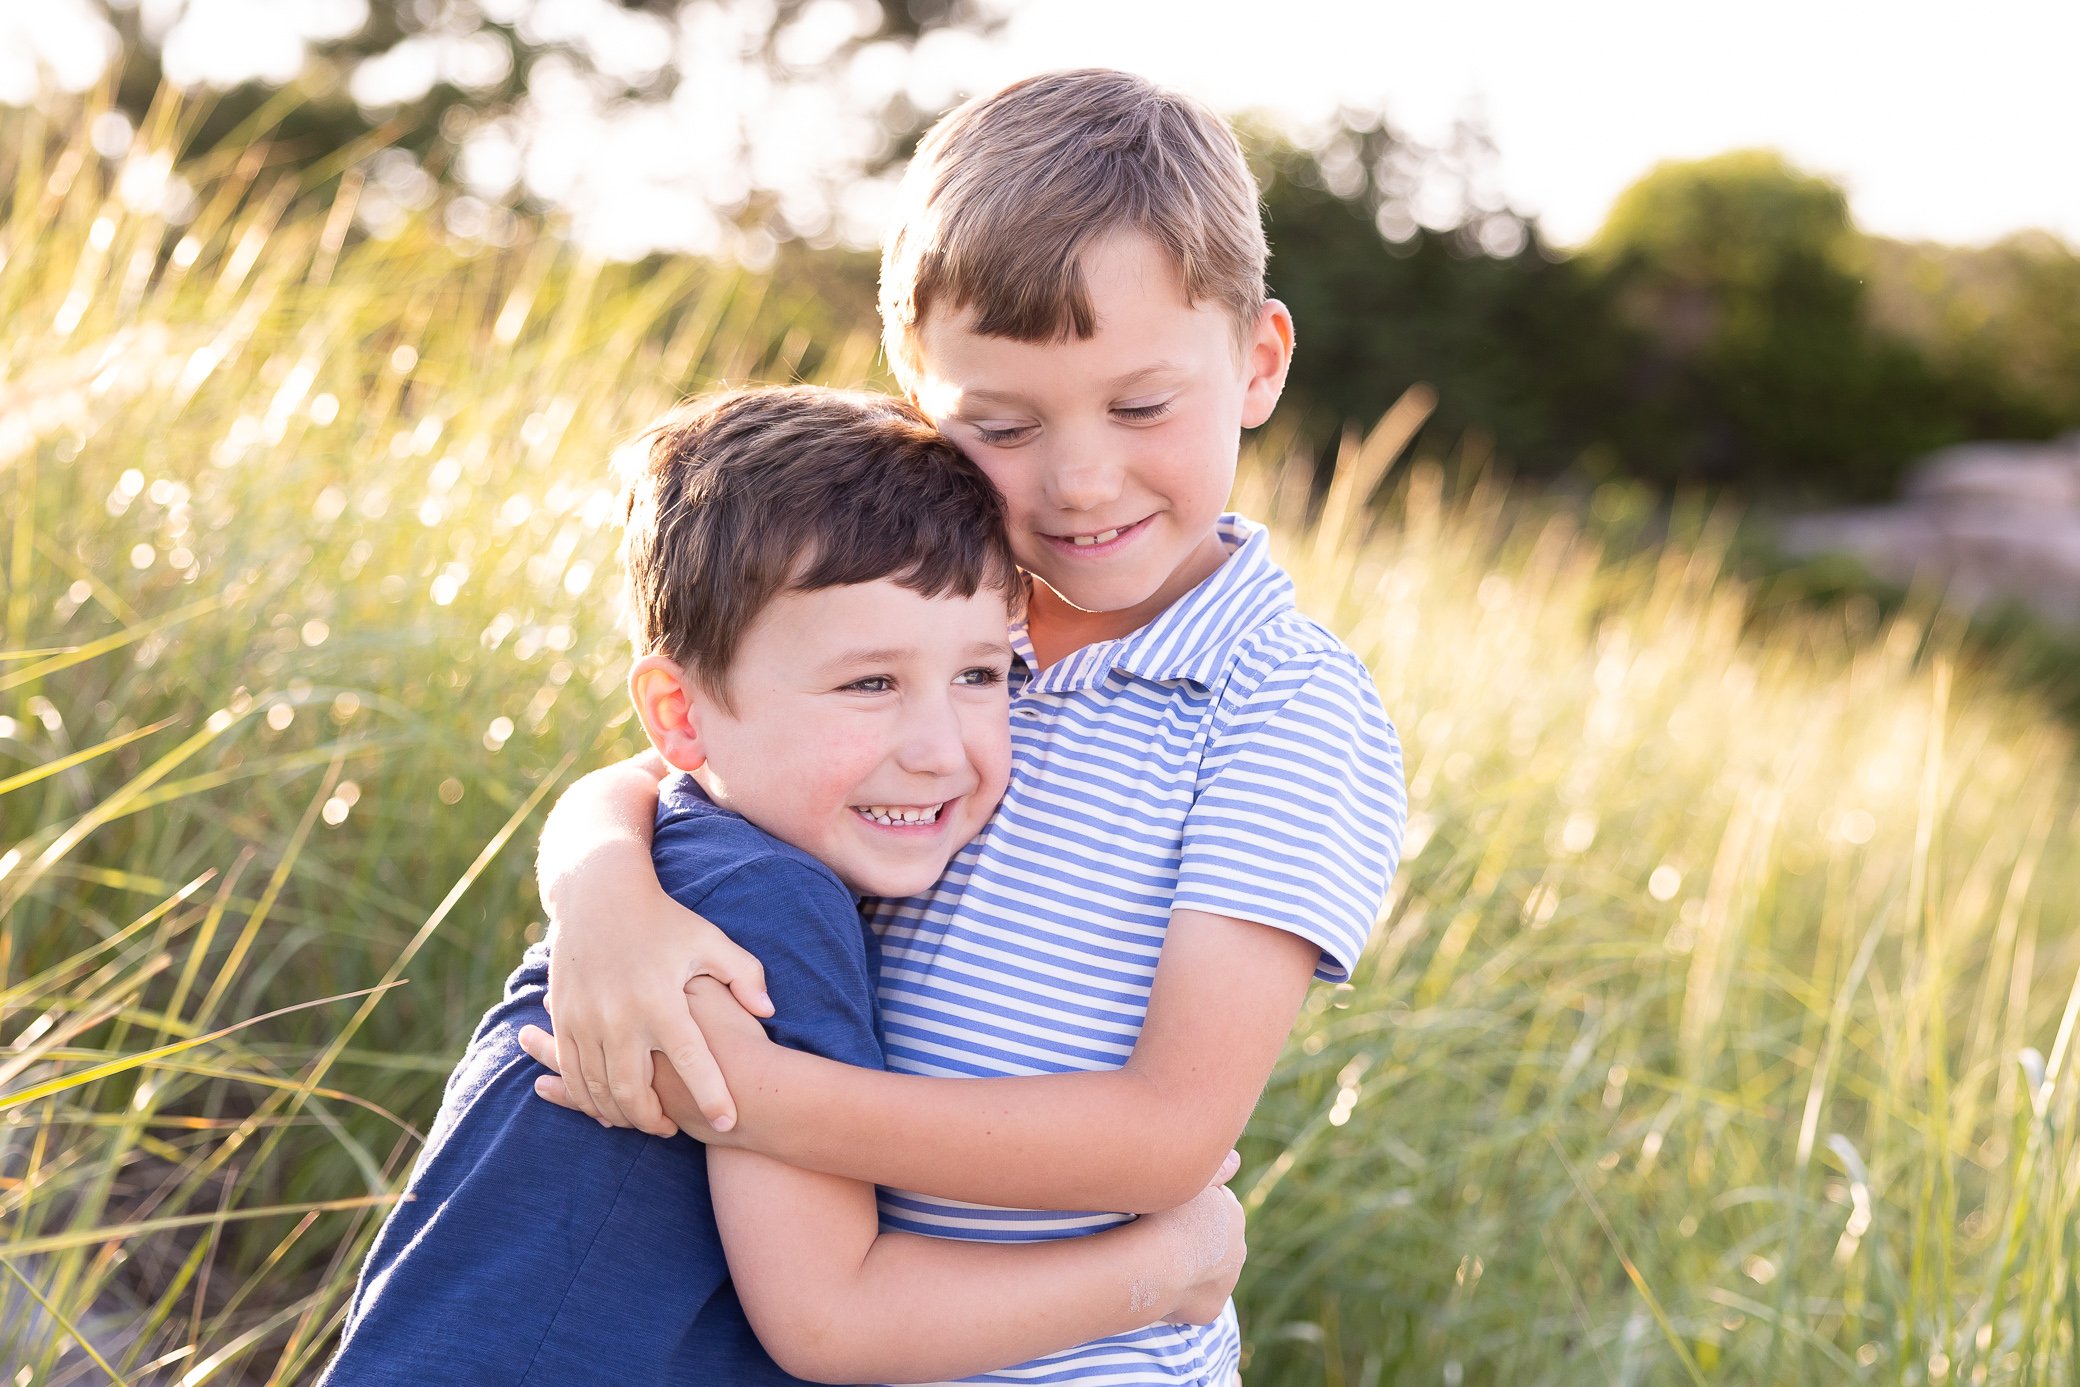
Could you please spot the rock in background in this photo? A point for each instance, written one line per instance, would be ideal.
(1987, 520)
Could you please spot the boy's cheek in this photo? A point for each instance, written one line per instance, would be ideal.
(993, 777)
(994, 767)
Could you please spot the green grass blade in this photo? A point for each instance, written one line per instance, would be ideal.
(51, 1087)
(66, 763)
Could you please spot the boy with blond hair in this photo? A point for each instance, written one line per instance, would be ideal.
(1205, 804)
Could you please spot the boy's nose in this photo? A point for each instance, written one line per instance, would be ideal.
(931, 742)
(1084, 480)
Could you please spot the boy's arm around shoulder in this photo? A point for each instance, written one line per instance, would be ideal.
(1288, 852)
(834, 1299)
(622, 950)
(1139, 1138)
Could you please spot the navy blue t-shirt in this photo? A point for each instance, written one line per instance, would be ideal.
(538, 1247)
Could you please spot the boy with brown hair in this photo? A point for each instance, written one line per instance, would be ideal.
(820, 586)
(1205, 803)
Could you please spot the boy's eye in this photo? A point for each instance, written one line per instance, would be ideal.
(873, 684)
(982, 677)
(1142, 414)
(1000, 434)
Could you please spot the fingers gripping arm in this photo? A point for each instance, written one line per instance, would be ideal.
(1139, 1138)
(621, 953)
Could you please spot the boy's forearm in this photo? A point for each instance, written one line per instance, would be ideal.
(1109, 1139)
(835, 1300)
(923, 1309)
(609, 812)
(1140, 1138)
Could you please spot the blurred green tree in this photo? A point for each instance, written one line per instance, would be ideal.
(1403, 263)
(1728, 325)
(1763, 366)
(2003, 321)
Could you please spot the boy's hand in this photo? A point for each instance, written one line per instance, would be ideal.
(1208, 1232)
(724, 1025)
(616, 993)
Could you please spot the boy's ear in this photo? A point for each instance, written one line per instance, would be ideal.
(1267, 358)
(905, 374)
(659, 689)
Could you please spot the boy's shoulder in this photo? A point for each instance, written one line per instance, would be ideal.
(700, 848)
(787, 909)
(1225, 635)
(1276, 643)
(1289, 637)
(1281, 684)
(1293, 680)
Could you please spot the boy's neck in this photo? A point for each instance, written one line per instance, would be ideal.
(717, 792)
(1057, 628)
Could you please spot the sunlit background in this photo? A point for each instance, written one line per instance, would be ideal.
(1685, 431)
(1943, 123)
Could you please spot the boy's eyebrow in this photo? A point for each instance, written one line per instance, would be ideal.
(892, 653)
(883, 656)
(1160, 368)
(1012, 397)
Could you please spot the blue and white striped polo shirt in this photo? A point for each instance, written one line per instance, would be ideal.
(1231, 756)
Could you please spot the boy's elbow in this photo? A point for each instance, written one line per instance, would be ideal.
(1173, 1188)
(1177, 1171)
(809, 1362)
(824, 1360)
(807, 1342)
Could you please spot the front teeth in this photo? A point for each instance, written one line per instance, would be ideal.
(889, 815)
(1085, 541)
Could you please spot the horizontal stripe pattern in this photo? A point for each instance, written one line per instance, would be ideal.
(1161, 1353)
(1232, 756)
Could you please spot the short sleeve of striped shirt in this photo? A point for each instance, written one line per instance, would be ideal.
(1298, 819)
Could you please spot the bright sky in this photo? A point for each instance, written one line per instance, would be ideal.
(1944, 122)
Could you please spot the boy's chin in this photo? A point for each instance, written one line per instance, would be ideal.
(894, 881)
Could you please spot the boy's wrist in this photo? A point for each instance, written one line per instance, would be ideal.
(1164, 1271)
(1201, 1252)
(772, 1085)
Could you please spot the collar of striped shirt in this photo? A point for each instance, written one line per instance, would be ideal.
(1193, 637)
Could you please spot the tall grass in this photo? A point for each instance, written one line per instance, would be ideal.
(307, 557)
(1718, 1030)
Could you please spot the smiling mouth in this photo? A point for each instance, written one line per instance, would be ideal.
(901, 815)
(1096, 537)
